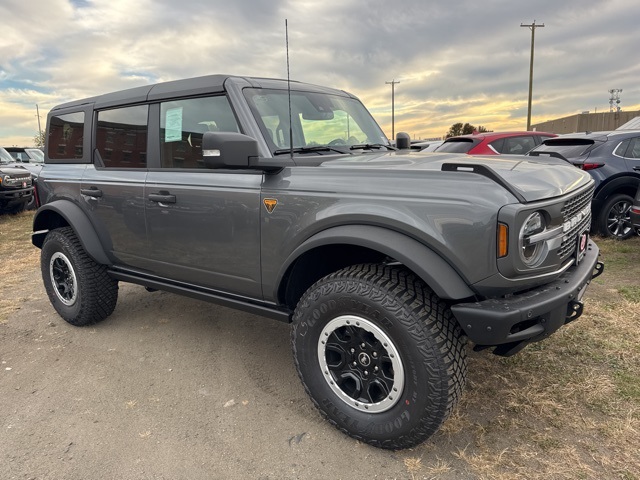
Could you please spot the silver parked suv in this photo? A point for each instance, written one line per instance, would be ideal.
(292, 204)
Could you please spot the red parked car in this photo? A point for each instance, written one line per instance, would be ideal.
(494, 143)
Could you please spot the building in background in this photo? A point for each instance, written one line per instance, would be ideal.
(586, 122)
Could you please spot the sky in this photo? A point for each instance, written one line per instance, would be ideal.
(455, 61)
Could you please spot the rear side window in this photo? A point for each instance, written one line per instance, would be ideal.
(121, 137)
(66, 134)
(184, 122)
(462, 145)
(518, 145)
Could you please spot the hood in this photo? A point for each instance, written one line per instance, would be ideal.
(14, 171)
(529, 180)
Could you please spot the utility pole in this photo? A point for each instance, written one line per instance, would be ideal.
(393, 106)
(533, 27)
(38, 115)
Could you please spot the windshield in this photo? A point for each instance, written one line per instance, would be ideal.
(35, 154)
(5, 157)
(318, 120)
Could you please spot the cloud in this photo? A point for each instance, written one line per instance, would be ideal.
(462, 61)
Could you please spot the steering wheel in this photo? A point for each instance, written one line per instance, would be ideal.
(337, 141)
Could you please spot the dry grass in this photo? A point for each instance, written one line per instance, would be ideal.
(18, 255)
(565, 408)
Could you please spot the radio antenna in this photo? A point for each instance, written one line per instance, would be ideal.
(286, 31)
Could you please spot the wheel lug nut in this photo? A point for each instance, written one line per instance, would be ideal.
(362, 345)
(354, 364)
(353, 350)
(375, 354)
(366, 372)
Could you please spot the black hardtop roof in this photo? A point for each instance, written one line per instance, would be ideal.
(189, 87)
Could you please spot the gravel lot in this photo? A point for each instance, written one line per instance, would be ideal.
(166, 388)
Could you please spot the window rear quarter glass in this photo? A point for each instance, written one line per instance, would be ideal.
(66, 134)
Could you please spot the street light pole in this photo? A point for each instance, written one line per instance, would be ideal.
(393, 106)
(533, 27)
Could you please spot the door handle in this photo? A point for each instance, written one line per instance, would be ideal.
(637, 169)
(91, 192)
(162, 197)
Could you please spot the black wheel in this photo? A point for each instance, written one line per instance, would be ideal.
(380, 355)
(80, 290)
(614, 219)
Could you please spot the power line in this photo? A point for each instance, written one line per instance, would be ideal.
(532, 27)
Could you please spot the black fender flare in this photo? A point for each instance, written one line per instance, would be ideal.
(76, 219)
(438, 274)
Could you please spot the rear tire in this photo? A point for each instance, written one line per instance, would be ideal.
(380, 355)
(614, 219)
(80, 290)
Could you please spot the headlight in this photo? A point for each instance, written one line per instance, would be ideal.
(532, 249)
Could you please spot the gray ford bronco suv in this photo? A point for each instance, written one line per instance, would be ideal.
(288, 201)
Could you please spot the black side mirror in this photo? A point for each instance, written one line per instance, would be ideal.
(228, 150)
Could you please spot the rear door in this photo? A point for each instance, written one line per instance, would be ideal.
(202, 224)
(112, 188)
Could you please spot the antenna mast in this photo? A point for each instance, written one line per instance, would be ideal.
(286, 30)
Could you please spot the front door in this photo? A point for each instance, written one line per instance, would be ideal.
(203, 225)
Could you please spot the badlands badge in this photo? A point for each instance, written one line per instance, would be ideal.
(270, 204)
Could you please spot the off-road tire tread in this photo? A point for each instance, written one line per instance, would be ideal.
(99, 292)
(422, 313)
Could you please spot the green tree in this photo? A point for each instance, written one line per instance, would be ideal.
(38, 140)
(464, 129)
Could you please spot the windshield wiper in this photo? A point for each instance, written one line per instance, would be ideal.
(371, 146)
(316, 149)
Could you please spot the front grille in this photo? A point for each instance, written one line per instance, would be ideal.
(17, 181)
(573, 207)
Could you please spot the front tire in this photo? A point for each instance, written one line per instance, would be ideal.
(80, 290)
(380, 355)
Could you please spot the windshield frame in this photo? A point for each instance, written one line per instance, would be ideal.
(309, 110)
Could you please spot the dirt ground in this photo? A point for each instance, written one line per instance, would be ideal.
(173, 388)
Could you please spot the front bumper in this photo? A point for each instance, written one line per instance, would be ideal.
(512, 323)
(10, 197)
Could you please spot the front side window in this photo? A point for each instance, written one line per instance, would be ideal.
(184, 122)
(121, 137)
(317, 119)
(66, 134)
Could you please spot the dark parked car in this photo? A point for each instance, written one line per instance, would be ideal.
(30, 158)
(16, 185)
(613, 160)
(494, 143)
